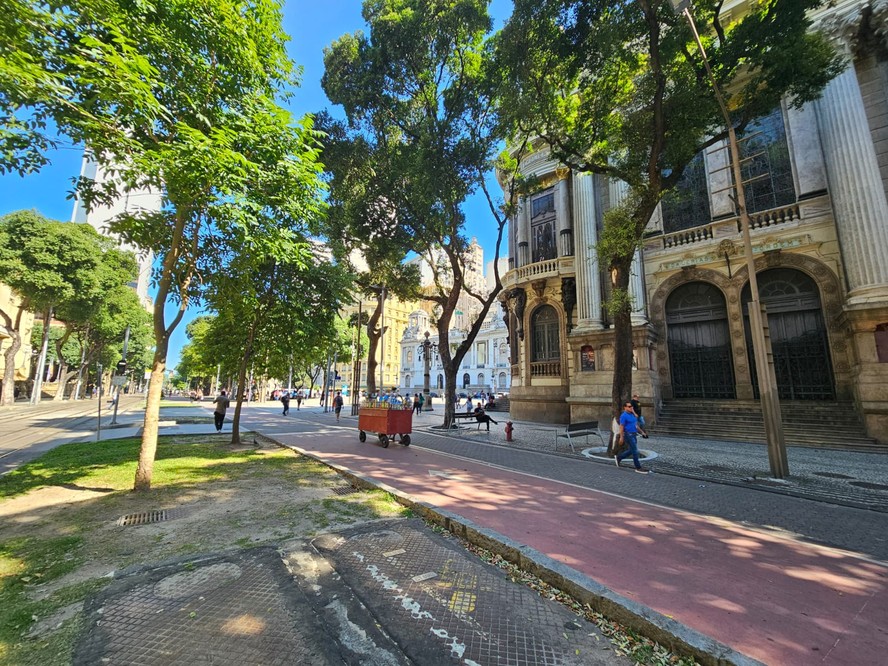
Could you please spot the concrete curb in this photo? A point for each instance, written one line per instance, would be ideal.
(646, 621)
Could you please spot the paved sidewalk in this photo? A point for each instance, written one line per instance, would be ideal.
(720, 567)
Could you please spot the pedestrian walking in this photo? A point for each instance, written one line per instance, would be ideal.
(299, 397)
(337, 404)
(417, 403)
(636, 407)
(222, 402)
(469, 408)
(421, 401)
(285, 401)
(629, 433)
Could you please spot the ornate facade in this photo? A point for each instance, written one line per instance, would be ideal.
(817, 194)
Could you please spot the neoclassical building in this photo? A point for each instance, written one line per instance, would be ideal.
(484, 368)
(817, 194)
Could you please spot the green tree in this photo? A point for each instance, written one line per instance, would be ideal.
(621, 91)
(66, 66)
(267, 307)
(54, 267)
(416, 91)
(360, 224)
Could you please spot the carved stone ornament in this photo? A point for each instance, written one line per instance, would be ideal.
(520, 303)
(841, 366)
(735, 316)
(741, 369)
(662, 371)
(569, 299)
(853, 21)
(733, 299)
(739, 351)
(727, 247)
(539, 287)
(661, 356)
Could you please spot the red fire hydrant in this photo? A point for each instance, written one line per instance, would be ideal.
(509, 430)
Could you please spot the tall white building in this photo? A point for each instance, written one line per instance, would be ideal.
(131, 202)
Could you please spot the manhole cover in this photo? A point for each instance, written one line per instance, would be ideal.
(146, 517)
(868, 486)
(832, 475)
(344, 490)
(715, 468)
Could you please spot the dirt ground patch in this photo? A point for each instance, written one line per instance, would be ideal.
(262, 495)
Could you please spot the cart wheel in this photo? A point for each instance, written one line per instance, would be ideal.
(405, 440)
(362, 436)
(384, 440)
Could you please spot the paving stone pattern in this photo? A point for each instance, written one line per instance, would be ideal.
(422, 585)
(240, 610)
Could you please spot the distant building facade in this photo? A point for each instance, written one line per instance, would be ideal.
(132, 201)
(818, 204)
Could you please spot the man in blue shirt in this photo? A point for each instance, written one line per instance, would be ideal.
(629, 433)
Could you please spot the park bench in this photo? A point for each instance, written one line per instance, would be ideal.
(467, 416)
(582, 429)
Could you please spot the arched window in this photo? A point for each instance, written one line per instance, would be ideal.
(699, 341)
(799, 340)
(440, 382)
(407, 381)
(502, 380)
(546, 343)
(466, 380)
(409, 356)
(480, 379)
(545, 360)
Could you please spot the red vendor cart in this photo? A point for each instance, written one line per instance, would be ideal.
(388, 423)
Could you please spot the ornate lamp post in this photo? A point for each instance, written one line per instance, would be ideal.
(758, 319)
(427, 348)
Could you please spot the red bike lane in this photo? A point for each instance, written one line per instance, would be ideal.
(765, 594)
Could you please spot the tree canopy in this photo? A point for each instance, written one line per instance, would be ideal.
(418, 102)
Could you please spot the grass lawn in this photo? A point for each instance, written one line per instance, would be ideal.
(59, 538)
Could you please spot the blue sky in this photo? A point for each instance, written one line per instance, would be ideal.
(311, 26)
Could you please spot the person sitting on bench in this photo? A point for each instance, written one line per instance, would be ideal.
(481, 417)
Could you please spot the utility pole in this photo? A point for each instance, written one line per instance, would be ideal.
(121, 370)
(99, 393)
(356, 368)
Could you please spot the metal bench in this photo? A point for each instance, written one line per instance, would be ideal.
(583, 429)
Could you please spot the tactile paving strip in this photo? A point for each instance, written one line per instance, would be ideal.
(474, 613)
(229, 611)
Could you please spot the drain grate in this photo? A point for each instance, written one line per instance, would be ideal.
(344, 490)
(832, 475)
(147, 517)
(868, 486)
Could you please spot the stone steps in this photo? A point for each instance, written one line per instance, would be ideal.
(830, 424)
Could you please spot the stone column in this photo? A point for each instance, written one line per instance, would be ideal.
(563, 219)
(523, 232)
(855, 186)
(618, 191)
(588, 275)
(636, 290)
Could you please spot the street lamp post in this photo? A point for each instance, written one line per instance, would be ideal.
(427, 372)
(758, 318)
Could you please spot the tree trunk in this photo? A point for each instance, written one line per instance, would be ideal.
(373, 334)
(8, 391)
(41, 359)
(621, 390)
(241, 382)
(149, 432)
